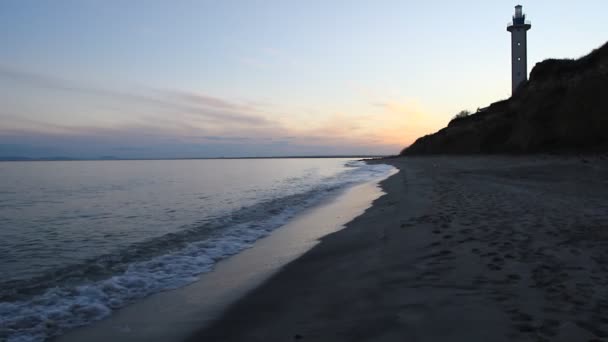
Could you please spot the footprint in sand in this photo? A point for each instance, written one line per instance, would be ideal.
(493, 267)
(514, 277)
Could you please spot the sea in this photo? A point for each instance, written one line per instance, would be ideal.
(81, 239)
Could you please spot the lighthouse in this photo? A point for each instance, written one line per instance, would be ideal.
(519, 54)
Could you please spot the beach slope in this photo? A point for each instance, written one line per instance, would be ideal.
(459, 249)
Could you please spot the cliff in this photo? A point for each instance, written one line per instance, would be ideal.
(563, 107)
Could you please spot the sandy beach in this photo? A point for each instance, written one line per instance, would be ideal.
(459, 249)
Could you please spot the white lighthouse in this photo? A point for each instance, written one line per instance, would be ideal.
(519, 53)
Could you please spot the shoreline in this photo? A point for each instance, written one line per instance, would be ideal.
(459, 248)
(173, 315)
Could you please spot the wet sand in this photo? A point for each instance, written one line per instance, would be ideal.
(459, 249)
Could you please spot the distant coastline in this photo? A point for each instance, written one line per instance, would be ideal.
(21, 158)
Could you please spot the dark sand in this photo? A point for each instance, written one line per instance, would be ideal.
(459, 249)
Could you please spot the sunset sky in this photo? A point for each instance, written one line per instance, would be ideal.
(172, 78)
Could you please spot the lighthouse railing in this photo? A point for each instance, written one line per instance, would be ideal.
(526, 22)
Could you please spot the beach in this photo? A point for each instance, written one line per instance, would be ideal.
(458, 249)
(261, 171)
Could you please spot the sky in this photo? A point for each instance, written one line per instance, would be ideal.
(226, 78)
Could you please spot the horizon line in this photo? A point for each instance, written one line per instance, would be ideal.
(28, 159)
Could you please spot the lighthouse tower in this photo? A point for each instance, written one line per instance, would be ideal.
(519, 54)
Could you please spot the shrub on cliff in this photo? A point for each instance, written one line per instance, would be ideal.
(461, 115)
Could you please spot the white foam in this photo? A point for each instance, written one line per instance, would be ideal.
(61, 308)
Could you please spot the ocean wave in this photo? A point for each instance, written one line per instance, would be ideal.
(75, 296)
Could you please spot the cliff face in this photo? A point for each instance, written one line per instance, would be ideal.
(564, 106)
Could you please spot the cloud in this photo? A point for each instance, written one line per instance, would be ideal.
(233, 139)
(211, 107)
(35, 79)
(208, 101)
(105, 120)
(379, 104)
(184, 102)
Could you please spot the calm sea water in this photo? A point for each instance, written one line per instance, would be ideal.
(80, 239)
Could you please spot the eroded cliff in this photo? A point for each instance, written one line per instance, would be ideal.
(563, 107)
